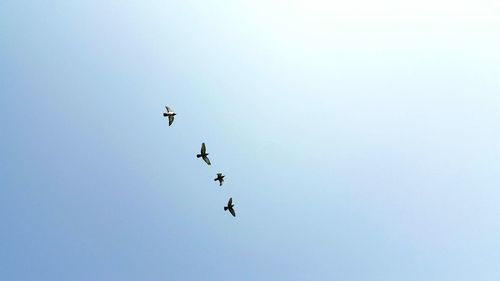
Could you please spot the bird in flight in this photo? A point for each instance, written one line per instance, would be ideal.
(170, 114)
(230, 206)
(220, 177)
(204, 154)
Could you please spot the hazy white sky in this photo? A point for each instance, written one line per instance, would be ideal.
(360, 140)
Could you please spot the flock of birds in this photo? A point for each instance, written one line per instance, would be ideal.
(203, 155)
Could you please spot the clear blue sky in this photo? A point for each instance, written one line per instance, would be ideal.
(361, 140)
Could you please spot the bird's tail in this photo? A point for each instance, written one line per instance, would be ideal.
(198, 155)
(225, 208)
(215, 179)
(165, 115)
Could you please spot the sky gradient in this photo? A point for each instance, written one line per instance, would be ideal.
(361, 140)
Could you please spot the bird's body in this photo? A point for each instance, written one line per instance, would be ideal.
(230, 206)
(203, 154)
(220, 177)
(170, 114)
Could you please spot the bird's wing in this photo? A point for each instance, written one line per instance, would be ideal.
(219, 174)
(205, 158)
(230, 201)
(170, 120)
(232, 212)
(203, 148)
(168, 109)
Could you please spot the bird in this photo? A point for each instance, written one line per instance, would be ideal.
(204, 154)
(230, 207)
(220, 177)
(170, 114)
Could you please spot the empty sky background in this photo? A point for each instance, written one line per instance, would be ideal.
(361, 140)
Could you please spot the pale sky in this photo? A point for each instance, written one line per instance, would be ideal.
(360, 139)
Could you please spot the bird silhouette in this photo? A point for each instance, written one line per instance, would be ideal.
(220, 177)
(204, 154)
(170, 114)
(230, 206)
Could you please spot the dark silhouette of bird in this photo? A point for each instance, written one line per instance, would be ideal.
(230, 206)
(220, 177)
(170, 114)
(204, 154)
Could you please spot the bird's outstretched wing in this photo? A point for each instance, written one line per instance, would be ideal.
(170, 120)
(231, 210)
(230, 202)
(168, 109)
(203, 148)
(221, 181)
(205, 158)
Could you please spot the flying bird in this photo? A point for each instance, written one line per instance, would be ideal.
(230, 207)
(170, 114)
(220, 177)
(204, 154)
